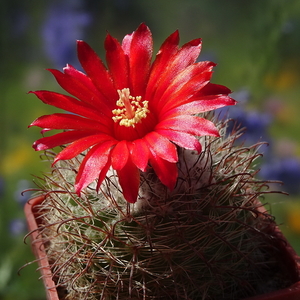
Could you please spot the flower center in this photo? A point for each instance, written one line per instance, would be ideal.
(132, 110)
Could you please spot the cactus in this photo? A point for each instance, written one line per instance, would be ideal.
(209, 238)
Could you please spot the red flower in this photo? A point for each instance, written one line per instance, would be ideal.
(134, 112)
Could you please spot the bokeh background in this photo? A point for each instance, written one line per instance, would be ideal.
(255, 43)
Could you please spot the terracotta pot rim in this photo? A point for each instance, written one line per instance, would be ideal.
(38, 247)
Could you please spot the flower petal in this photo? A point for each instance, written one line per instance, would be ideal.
(79, 85)
(190, 124)
(103, 173)
(69, 103)
(68, 121)
(207, 103)
(167, 172)
(59, 139)
(214, 89)
(182, 139)
(186, 56)
(81, 145)
(119, 155)
(162, 60)
(161, 146)
(139, 59)
(117, 62)
(92, 165)
(126, 43)
(98, 73)
(129, 179)
(186, 84)
(140, 154)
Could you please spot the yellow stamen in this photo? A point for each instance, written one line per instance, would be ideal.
(132, 110)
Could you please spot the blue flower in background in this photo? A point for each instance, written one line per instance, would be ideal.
(17, 227)
(65, 23)
(277, 164)
(255, 123)
(286, 170)
(1, 186)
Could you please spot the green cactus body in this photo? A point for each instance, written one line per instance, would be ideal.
(207, 239)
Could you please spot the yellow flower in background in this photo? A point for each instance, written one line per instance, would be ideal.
(293, 217)
(15, 160)
(287, 77)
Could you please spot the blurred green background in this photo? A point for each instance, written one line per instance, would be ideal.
(255, 43)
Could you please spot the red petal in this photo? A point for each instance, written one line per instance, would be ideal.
(162, 60)
(214, 89)
(119, 155)
(69, 104)
(96, 70)
(186, 56)
(129, 179)
(103, 173)
(81, 145)
(92, 165)
(59, 139)
(207, 103)
(167, 172)
(79, 76)
(161, 146)
(140, 59)
(186, 84)
(117, 62)
(78, 84)
(68, 121)
(190, 124)
(140, 154)
(189, 52)
(182, 139)
(126, 43)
